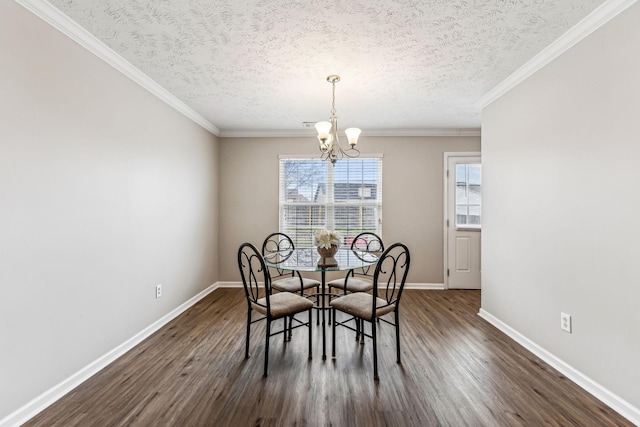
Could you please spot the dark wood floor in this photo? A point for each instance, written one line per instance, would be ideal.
(457, 370)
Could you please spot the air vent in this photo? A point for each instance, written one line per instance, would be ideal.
(308, 124)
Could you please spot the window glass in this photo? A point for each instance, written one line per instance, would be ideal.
(468, 194)
(345, 197)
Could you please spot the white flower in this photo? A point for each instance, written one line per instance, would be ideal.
(326, 239)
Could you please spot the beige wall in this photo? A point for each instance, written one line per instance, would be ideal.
(560, 170)
(412, 194)
(104, 192)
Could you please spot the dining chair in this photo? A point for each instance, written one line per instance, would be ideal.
(358, 280)
(272, 307)
(388, 282)
(286, 280)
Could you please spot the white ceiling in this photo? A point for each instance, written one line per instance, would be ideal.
(249, 65)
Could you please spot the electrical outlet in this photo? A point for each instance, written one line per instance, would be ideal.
(565, 322)
(158, 291)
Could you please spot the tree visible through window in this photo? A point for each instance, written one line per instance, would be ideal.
(345, 197)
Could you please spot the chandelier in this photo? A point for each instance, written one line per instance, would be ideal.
(328, 132)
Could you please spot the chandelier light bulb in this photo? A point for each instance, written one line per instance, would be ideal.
(352, 136)
(323, 129)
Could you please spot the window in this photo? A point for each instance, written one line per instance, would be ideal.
(345, 197)
(468, 195)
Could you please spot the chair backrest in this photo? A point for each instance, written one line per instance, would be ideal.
(391, 273)
(278, 243)
(253, 272)
(367, 242)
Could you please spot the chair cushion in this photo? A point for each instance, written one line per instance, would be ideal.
(354, 284)
(292, 284)
(283, 304)
(359, 304)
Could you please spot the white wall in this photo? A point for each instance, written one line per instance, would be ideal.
(104, 192)
(561, 205)
(412, 194)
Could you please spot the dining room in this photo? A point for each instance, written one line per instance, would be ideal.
(123, 210)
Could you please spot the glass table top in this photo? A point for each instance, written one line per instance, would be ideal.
(306, 259)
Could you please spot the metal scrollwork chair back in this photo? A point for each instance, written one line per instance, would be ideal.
(283, 305)
(281, 245)
(360, 280)
(389, 279)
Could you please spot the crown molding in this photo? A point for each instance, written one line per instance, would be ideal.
(54, 17)
(424, 132)
(596, 19)
(310, 133)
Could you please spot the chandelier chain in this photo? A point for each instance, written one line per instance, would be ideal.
(333, 102)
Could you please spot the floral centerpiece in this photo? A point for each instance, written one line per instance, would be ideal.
(327, 242)
(325, 239)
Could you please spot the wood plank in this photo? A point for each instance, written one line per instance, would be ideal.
(457, 370)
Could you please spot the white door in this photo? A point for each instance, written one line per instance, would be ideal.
(463, 220)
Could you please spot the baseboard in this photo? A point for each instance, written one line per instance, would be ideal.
(50, 396)
(423, 286)
(230, 284)
(615, 402)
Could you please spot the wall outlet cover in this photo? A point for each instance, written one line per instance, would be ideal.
(565, 322)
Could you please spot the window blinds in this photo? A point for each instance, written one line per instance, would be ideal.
(345, 197)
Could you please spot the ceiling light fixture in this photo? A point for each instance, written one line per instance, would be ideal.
(328, 132)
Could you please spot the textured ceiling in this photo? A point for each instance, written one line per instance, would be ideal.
(262, 64)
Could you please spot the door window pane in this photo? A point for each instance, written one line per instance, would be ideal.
(468, 194)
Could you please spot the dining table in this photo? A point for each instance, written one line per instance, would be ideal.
(309, 260)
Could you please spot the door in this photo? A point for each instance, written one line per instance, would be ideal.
(463, 220)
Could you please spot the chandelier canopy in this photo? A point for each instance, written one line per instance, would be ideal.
(328, 132)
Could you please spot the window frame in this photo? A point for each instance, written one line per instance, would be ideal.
(468, 188)
(331, 205)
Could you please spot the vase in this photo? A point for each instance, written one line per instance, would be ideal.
(328, 252)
